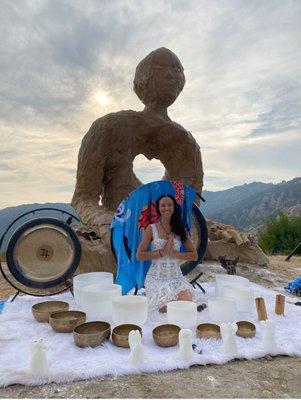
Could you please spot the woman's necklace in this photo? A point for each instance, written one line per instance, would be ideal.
(167, 233)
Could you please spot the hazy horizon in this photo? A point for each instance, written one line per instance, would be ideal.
(66, 63)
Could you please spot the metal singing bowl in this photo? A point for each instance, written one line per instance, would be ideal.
(208, 331)
(166, 335)
(246, 329)
(120, 334)
(91, 334)
(66, 321)
(41, 311)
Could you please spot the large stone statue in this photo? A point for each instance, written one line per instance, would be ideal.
(105, 164)
(105, 161)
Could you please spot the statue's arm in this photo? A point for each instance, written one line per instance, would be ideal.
(198, 176)
(183, 161)
(89, 182)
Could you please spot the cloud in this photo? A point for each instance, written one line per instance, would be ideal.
(241, 100)
(284, 113)
(4, 167)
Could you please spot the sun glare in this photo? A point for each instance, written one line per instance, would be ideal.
(101, 98)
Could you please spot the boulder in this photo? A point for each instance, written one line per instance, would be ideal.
(249, 254)
(225, 240)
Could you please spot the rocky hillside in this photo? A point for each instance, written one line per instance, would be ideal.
(251, 204)
(244, 206)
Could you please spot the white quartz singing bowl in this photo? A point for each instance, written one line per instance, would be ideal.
(129, 309)
(222, 280)
(96, 300)
(222, 309)
(244, 296)
(89, 278)
(182, 313)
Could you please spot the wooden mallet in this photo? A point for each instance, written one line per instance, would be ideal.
(279, 304)
(261, 310)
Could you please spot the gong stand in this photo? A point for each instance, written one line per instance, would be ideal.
(41, 255)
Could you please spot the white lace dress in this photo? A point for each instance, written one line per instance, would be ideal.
(164, 280)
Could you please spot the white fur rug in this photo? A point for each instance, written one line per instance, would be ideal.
(69, 363)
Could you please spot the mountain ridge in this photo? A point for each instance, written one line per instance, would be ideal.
(244, 210)
(243, 206)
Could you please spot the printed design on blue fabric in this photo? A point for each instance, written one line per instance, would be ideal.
(179, 191)
(148, 216)
(122, 214)
(155, 186)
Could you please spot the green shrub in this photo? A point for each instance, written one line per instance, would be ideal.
(281, 235)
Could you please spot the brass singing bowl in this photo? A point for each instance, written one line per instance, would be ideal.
(246, 329)
(41, 311)
(91, 334)
(66, 321)
(120, 334)
(166, 335)
(208, 331)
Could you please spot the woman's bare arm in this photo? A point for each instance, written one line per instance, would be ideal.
(142, 251)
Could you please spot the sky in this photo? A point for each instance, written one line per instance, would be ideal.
(65, 63)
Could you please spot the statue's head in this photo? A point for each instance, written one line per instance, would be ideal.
(159, 78)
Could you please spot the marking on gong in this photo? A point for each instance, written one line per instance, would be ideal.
(45, 253)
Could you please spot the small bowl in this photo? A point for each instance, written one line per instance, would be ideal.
(41, 311)
(246, 329)
(66, 321)
(166, 335)
(120, 334)
(208, 331)
(91, 334)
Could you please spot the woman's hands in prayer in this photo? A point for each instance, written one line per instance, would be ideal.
(168, 248)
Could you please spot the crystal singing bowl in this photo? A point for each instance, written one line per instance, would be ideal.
(244, 296)
(182, 313)
(82, 280)
(222, 309)
(96, 300)
(222, 280)
(129, 309)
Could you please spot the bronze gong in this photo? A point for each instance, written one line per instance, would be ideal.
(42, 256)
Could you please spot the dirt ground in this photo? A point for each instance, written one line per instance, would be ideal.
(269, 377)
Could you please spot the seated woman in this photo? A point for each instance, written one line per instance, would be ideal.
(164, 281)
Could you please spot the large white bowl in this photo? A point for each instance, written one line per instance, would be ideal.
(96, 300)
(244, 296)
(89, 278)
(129, 309)
(182, 313)
(222, 309)
(222, 280)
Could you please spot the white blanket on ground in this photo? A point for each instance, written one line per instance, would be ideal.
(68, 363)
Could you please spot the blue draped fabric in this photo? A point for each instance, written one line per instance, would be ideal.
(294, 286)
(132, 217)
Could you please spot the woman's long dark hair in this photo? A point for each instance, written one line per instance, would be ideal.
(176, 223)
